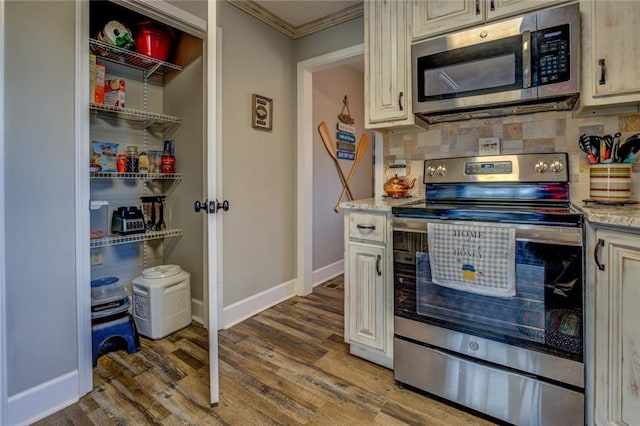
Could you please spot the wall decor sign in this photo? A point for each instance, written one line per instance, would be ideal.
(346, 137)
(262, 114)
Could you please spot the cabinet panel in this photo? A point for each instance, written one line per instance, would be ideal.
(440, 16)
(502, 8)
(367, 226)
(387, 68)
(366, 295)
(613, 43)
(617, 336)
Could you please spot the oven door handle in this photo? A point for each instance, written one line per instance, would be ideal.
(599, 245)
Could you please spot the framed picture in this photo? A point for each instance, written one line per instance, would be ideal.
(489, 146)
(262, 115)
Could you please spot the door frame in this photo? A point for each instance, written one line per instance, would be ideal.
(3, 298)
(163, 12)
(304, 161)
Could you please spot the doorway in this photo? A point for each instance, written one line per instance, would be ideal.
(306, 129)
(175, 91)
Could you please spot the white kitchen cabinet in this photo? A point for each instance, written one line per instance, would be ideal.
(616, 335)
(368, 289)
(610, 63)
(432, 17)
(387, 58)
(440, 16)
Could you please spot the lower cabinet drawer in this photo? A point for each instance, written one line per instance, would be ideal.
(367, 226)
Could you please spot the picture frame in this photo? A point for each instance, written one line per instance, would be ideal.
(261, 112)
(489, 146)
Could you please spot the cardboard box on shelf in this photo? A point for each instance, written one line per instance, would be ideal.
(99, 87)
(92, 77)
(114, 92)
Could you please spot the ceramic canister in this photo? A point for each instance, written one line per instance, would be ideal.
(610, 182)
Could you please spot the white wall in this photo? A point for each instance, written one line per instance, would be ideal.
(258, 165)
(329, 88)
(39, 191)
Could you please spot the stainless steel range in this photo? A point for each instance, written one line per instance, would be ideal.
(488, 288)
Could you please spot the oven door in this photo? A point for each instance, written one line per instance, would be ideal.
(546, 313)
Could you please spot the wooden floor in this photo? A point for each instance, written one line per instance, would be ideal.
(287, 365)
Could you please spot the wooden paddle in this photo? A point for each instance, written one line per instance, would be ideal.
(328, 143)
(362, 146)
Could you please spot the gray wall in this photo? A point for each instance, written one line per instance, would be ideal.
(347, 34)
(39, 180)
(329, 88)
(258, 165)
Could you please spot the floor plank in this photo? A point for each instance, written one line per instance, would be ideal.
(287, 365)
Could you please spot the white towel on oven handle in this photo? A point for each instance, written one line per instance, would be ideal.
(473, 257)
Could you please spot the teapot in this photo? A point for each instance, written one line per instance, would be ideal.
(397, 186)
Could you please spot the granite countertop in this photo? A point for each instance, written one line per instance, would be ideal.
(382, 204)
(604, 214)
(600, 214)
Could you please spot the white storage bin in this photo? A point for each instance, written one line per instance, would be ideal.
(99, 219)
(162, 301)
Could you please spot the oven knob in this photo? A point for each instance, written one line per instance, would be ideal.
(556, 166)
(474, 346)
(541, 167)
(441, 170)
(431, 171)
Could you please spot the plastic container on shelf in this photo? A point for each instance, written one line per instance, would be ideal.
(161, 301)
(107, 290)
(99, 217)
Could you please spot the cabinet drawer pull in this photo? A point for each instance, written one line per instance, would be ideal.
(378, 258)
(603, 72)
(595, 253)
(366, 227)
(477, 7)
(492, 5)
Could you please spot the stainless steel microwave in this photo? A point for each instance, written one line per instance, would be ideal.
(525, 64)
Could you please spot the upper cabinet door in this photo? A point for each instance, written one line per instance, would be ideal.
(502, 8)
(431, 17)
(386, 57)
(615, 60)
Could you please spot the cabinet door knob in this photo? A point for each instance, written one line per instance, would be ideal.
(599, 245)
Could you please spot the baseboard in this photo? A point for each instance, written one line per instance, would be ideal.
(326, 273)
(197, 311)
(240, 311)
(38, 402)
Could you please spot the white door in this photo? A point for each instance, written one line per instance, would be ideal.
(213, 186)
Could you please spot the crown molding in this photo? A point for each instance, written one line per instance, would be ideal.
(260, 13)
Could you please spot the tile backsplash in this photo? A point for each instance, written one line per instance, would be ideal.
(541, 132)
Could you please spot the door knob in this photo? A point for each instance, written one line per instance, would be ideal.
(210, 206)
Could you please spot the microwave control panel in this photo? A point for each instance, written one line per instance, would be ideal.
(551, 55)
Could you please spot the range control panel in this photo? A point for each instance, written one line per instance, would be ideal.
(544, 167)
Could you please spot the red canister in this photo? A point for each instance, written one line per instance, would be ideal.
(168, 163)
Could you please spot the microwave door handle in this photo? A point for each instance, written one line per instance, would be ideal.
(526, 59)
